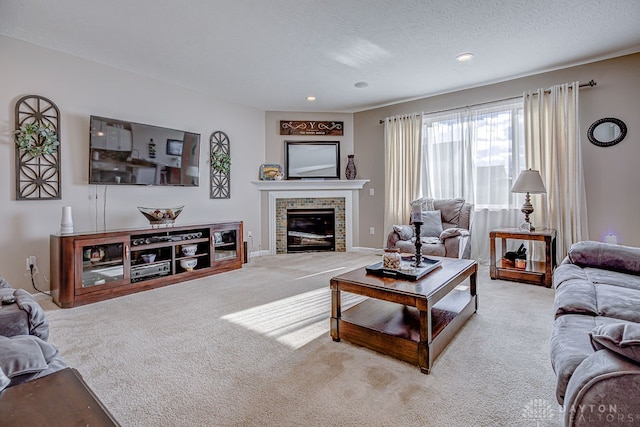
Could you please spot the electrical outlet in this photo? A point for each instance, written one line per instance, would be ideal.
(249, 234)
(372, 230)
(31, 260)
(372, 192)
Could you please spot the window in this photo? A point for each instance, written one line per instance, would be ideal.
(474, 153)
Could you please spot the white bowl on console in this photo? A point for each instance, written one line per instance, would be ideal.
(189, 250)
(188, 263)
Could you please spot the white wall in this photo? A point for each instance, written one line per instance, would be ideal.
(82, 88)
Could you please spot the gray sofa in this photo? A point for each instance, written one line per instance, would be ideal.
(25, 353)
(595, 342)
(447, 234)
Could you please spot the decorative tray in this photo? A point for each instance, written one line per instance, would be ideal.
(409, 274)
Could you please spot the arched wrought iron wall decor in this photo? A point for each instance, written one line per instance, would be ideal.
(38, 178)
(220, 181)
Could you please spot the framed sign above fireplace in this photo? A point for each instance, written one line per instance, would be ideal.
(311, 127)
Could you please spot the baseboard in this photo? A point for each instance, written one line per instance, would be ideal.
(39, 296)
(255, 254)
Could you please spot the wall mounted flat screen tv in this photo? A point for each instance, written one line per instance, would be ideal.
(312, 159)
(123, 152)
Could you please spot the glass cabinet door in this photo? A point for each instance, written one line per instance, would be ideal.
(225, 244)
(105, 263)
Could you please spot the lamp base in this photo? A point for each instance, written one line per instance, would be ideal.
(527, 226)
(527, 209)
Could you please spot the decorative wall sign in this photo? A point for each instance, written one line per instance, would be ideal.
(308, 127)
(220, 172)
(38, 177)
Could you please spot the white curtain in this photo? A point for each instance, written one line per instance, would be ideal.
(402, 154)
(476, 153)
(552, 132)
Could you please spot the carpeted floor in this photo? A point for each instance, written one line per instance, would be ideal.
(252, 348)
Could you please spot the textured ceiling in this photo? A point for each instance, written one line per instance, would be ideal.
(272, 54)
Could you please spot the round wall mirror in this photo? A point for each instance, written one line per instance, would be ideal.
(607, 132)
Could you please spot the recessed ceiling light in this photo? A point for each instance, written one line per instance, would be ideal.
(361, 85)
(311, 98)
(464, 57)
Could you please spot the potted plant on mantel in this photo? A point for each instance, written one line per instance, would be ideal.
(221, 162)
(36, 139)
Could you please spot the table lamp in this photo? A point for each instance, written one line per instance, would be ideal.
(528, 182)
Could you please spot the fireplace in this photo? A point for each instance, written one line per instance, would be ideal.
(311, 230)
(300, 194)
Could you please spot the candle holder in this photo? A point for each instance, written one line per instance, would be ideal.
(418, 262)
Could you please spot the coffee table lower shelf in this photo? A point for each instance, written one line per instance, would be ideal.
(381, 326)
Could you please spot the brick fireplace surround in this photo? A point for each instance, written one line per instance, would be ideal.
(336, 194)
(336, 203)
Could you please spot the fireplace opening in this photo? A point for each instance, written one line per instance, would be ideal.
(311, 230)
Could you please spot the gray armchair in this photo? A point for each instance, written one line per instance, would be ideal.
(446, 231)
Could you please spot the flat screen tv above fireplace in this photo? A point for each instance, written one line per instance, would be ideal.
(123, 152)
(312, 159)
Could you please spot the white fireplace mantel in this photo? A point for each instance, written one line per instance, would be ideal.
(310, 189)
(311, 184)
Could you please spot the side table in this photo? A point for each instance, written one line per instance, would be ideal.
(536, 272)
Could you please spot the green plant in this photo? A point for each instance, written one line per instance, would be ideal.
(36, 139)
(221, 162)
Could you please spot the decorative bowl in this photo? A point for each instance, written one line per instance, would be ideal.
(147, 258)
(188, 264)
(161, 216)
(189, 250)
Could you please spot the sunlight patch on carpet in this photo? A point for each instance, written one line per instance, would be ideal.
(318, 274)
(293, 321)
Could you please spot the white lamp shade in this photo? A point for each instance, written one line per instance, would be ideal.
(529, 181)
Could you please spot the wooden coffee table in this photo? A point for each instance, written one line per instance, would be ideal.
(58, 399)
(436, 308)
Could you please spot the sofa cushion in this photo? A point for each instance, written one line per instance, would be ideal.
(434, 249)
(405, 232)
(606, 256)
(450, 211)
(574, 295)
(622, 338)
(426, 203)
(23, 357)
(615, 278)
(431, 224)
(595, 292)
